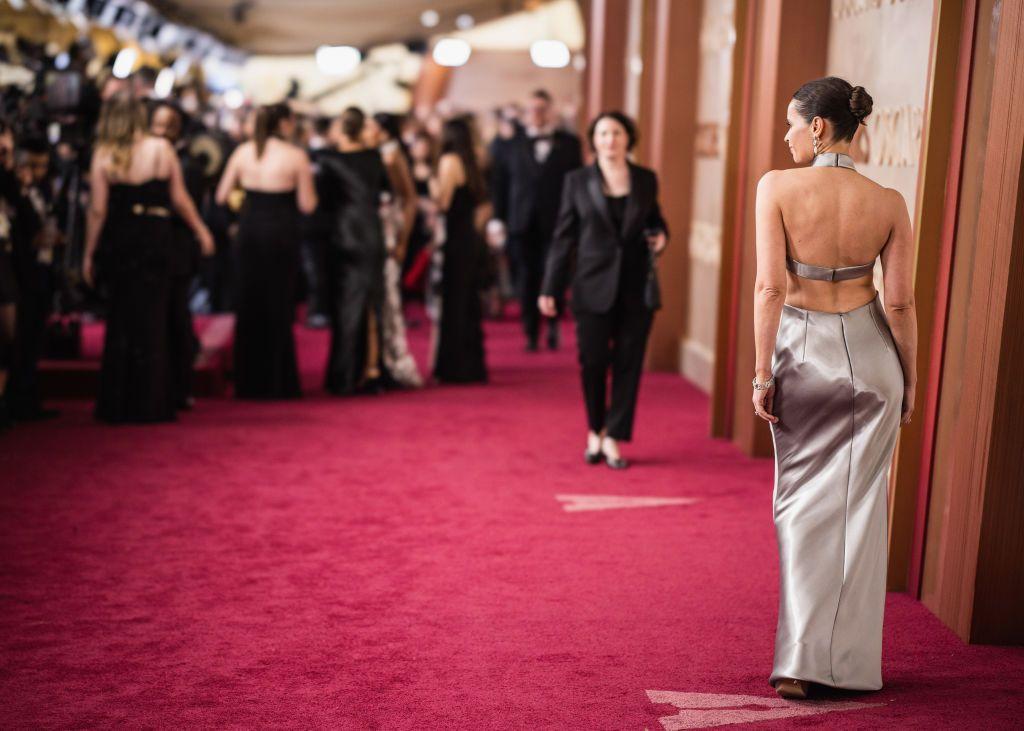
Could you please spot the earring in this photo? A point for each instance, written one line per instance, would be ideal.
(814, 143)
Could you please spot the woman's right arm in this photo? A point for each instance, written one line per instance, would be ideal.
(442, 188)
(229, 180)
(900, 309)
(563, 245)
(305, 188)
(99, 195)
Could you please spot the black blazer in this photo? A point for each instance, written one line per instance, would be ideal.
(586, 235)
(526, 192)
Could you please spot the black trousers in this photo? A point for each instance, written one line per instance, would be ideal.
(182, 344)
(314, 266)
(35, 294)
(615, 340)
(531, 250)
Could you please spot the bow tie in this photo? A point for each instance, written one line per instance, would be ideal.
(542, 138)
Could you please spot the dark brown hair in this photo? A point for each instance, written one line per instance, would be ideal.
(836, 100)
(627, 124)
(268, 124)
(352, 121)
(457, 138)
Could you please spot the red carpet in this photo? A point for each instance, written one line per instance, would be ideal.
(402, 562)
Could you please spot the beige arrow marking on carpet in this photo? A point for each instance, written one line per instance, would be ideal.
(574, 503)
(704, 710)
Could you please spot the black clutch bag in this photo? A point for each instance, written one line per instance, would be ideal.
(652, 290)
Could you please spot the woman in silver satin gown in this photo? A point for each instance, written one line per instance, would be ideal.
(834, 376)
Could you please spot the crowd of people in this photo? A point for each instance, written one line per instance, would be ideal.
(275, 213)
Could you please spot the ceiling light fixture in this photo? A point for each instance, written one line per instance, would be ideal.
(164, 84)
(550, 54)
(430, 18)
(338, 60)
(124, 63)
(451, 52)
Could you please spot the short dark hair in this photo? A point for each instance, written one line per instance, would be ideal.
(836, 100)
(541, 94)
(352, 121)
(322, 125)
(159, 104)
(627, 124)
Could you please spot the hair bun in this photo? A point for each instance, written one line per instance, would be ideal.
(860, 103)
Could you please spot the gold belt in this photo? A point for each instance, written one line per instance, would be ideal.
(140, 210)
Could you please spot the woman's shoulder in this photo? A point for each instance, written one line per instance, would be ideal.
(575, 176)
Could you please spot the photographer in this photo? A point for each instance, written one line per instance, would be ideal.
(33, 266)
(18, 225)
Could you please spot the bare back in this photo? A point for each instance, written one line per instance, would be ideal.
(281, 168)
(277, 170)
(152, 159)
(833, 217)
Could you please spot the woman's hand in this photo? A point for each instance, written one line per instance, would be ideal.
(206, 244)
(657, 242)
(87, 271)
(546, 305)
(763, 401)
(908, 404)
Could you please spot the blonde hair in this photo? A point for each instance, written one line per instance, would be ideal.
(122, 121)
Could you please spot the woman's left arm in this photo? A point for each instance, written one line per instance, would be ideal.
(769, 287)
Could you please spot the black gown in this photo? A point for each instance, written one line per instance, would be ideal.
(460, 345)
(132, 261)
(268, 258)
(352, 183)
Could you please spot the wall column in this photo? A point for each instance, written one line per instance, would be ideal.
(607, 30)
(973, 576)
(670, 132)
(777, 67)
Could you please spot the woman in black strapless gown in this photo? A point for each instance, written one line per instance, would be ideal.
(459, 357)
(268, 262)
(278, 183)
(353, 180)
(136, 183)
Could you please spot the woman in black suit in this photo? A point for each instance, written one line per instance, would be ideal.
(610, 225)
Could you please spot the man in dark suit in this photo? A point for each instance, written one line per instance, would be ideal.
(527, 189)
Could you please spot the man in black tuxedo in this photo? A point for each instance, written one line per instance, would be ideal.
(527, 190)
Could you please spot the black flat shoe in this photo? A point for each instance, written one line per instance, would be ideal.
(591, 457)
(617, 463)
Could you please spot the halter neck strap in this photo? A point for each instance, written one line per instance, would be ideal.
(833, 160)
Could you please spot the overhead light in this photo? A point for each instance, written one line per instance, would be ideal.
(234, 98)
(550, 54)
(17, 4)
(338, 60)
(464, 21)
(430, 18)
(125, 62)
(62, 61)
(167, 34)
(451, 52)
(164, 84)
(182, 65)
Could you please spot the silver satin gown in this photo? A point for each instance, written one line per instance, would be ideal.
(838, 398)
